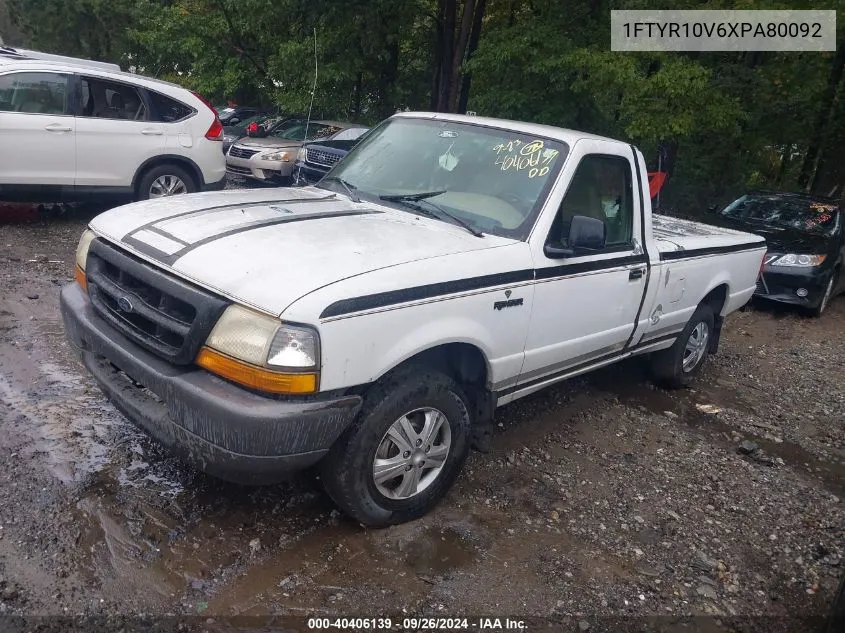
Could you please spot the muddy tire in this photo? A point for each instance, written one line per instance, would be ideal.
(678, 365)
(404, 450)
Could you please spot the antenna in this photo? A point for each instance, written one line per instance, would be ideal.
(310, 105)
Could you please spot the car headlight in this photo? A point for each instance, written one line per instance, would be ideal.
(262, 353)
(282, 156)
(796, 260)
(82, 257)
(300, 155)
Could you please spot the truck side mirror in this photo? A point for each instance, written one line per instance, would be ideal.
(585, 234)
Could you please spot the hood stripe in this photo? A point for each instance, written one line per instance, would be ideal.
(228, 205)
(171, 259)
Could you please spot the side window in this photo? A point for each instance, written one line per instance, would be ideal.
(103, 99)
(35, 93)
(169, 110)
(601, 188)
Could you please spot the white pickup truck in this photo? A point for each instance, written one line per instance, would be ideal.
(372, 324)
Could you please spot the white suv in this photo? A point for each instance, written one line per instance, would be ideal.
(73, 129)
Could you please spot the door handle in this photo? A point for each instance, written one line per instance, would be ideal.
(151, 132)
(57, 127)
(637, 273)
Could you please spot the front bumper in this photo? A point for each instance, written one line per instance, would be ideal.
(223, 429)
(308, 174)
(776, 284)
(258, 168)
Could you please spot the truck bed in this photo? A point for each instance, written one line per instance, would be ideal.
(676, 234)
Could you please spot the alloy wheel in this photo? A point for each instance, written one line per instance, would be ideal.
(167, 185)
(412, 453)
(696, 346)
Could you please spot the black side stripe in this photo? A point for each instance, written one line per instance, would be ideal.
(249, 226)
(579, 367)
(712, 250)
(586, 267)
(429, 291)
(432, 291)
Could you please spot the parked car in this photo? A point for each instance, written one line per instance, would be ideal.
(314, 160)
(70, 130)
(232, 133)
(806, 243)
(271, 156)
(233, 115)
(373, 324)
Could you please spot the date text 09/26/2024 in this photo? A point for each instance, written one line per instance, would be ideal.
(417, 624)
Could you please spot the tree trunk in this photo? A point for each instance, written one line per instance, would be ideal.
(809, 166)
(357, 103)
(459, 53)
(784, 165)
(387, 78)
(449, 10)
(474, 36)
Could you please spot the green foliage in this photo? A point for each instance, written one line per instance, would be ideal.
(737, 119)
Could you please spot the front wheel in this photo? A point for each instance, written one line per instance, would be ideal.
(826, 297)
(404, 450)
(677, 366)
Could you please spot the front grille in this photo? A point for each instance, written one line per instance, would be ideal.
(161, 313)
(237, 151)
(321, 157)
(240, 171)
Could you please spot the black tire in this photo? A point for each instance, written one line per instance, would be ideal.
(827, 296)
(154, 173)
(667, 365)
(347, 470)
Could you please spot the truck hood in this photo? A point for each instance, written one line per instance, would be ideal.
(267, 248)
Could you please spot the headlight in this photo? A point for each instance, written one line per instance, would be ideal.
(795, 260)
(82, 258)
(282, 156)
(300, 155)
(82, 249)
(262, 353)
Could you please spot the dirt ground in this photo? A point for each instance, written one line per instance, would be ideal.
(601, 497)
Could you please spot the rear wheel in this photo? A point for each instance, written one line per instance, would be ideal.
(677, 366)
(403, 452)
(165, 180)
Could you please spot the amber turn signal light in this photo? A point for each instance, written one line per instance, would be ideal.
(79, 274)
(254, 377)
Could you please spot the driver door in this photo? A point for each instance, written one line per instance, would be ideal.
(586, 304)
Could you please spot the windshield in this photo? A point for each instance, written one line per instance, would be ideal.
(296, 131)
(801, 214)
(493, 179)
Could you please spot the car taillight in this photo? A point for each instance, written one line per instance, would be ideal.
(215, 132)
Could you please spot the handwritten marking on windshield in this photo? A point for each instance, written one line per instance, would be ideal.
(533, 157)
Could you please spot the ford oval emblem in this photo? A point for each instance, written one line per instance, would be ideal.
(124, 304)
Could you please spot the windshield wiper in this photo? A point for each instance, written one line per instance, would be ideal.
(350, 188)
(416, 201)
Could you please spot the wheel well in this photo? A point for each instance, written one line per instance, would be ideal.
(467, 366)
(716, 299)
(462, 362)
(178, 161)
